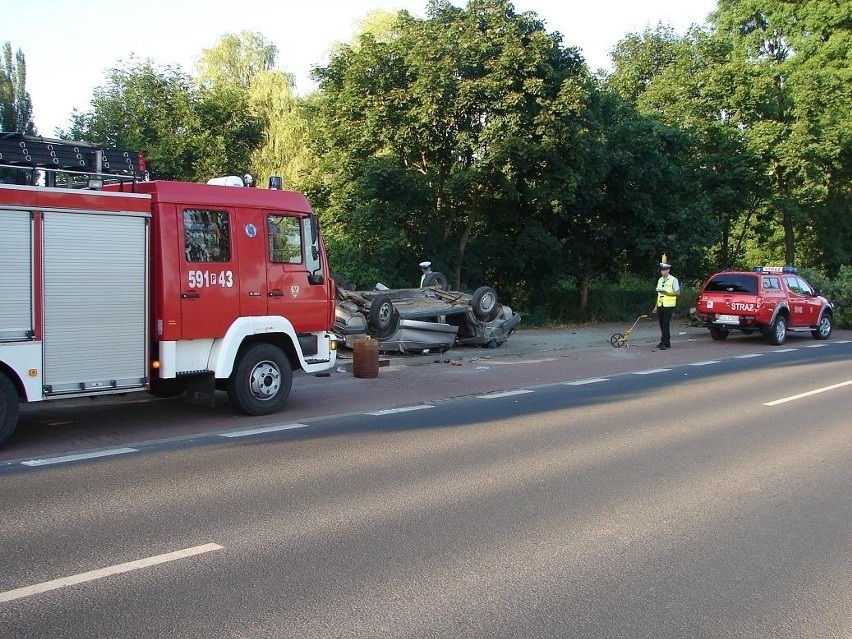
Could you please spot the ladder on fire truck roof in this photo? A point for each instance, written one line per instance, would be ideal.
(78, 162)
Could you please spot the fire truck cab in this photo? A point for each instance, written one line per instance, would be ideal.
(134, 285)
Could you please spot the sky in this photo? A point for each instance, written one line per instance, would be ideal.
(68, 46)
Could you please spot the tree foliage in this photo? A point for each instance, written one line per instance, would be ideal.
(476, 139)
(16, 112)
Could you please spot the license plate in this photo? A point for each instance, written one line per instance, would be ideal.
(727, 319)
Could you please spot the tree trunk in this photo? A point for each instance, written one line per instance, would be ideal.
(789, 240)
(584, 282)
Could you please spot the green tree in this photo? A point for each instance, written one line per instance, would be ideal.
(236, 59)
(795, 111)
(684, 82)
(451, 99)
(186, 133)
(16, 112)
(149, 109)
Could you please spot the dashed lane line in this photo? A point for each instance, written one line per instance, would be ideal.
(651, 371)
(583, 382)
(72, 458)
(748, 355)
(72, 580)
(405, 409)
(824, 389)
(707, 363)
(264, 429)
(522, 391)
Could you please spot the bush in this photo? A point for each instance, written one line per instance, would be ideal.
(620, 301)
(839, 291)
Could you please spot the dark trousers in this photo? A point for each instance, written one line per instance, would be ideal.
(664, 314)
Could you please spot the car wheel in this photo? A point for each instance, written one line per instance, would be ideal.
(437, 280)
(484, 304)
(260, 384)
(718, 333)
(381, 314)
(824, 328)
(9, 407)
(778, 331)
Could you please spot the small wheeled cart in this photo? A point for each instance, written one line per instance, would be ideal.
(620, 339)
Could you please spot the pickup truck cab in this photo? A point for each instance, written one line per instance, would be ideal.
(769, 299)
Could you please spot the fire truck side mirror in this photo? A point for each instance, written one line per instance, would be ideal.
(314, 230)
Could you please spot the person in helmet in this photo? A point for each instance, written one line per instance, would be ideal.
(425, 269)
(668, 290)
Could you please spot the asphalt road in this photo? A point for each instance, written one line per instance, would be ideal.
(700, 498)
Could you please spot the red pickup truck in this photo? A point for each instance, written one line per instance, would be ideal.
(770, 299)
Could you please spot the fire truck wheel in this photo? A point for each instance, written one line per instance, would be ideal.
(484, 304)
(260, 384)
(9, 407)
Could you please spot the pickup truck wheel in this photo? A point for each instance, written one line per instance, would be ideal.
(823, 329)
(9, 407)
(484, 304)
(718, 333)
(778, 331)
(261, 382)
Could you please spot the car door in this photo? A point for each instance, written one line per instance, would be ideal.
(291, 293)
(208, 267)
(799, 300)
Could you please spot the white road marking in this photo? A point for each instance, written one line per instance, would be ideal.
(62, 582)
(652, 371)
(506, 394)
(593, 380)
(808, 394)
(844, 341)
(264, 429)
(785, 350)
(815, 345)
(391, 411)
(707, 363)
(749, 355)
(70, 458)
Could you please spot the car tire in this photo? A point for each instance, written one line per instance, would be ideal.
(261, 381)
(436, 280)
(778, 331)
(718, 333)
(484, 304)
(10, 408)
(381, 314)
(824, 328)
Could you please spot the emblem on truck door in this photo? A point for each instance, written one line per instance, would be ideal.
(294, 290)
(251, 230)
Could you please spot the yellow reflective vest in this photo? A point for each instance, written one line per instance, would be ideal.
(670, 285)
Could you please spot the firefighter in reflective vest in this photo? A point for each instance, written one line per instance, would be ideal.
(668, 289)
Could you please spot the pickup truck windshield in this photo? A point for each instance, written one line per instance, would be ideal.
(732, 283)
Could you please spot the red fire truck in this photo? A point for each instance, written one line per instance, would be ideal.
(110, 283)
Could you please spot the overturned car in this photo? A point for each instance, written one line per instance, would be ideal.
(413, 320)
